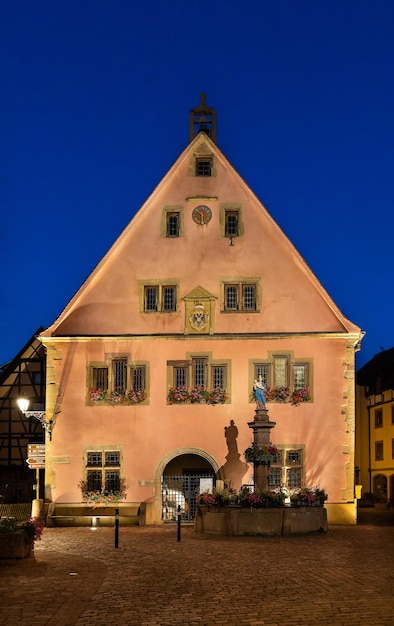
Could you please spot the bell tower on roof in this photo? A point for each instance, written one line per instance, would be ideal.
(203, 120)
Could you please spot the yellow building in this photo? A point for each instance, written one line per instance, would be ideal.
(151, 366)
(375, 427)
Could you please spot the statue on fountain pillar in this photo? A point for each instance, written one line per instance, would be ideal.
(259, 391)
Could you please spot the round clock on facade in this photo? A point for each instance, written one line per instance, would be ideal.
(202, 214)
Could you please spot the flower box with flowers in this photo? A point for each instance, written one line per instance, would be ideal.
(103, 498)
(299, 395)
(262, 455)
(306, 496)
(198, 395)
(283, 394)
(116, 397)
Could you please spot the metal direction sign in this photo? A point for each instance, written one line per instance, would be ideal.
(36, 455)
(36, 449)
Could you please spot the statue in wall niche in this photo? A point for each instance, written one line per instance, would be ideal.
(260, 390)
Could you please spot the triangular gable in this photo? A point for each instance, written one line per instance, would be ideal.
(107, 303)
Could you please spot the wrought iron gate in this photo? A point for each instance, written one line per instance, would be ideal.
(180, 491)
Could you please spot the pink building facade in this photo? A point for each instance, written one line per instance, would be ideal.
(155, 357)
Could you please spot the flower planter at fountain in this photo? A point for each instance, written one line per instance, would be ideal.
(237, 521)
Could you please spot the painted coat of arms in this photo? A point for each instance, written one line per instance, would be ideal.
(199, 318)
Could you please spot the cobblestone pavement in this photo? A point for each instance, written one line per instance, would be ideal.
(78, 577)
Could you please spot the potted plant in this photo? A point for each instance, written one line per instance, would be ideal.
(17, 539)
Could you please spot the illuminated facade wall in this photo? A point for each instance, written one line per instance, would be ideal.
(201, 293)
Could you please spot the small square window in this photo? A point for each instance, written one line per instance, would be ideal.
(294, 457)
(94, 458)
(204, 167)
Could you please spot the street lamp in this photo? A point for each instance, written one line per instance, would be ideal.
(40, 416)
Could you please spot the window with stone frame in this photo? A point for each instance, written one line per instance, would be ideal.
(103, 470)
(231, 224)
(160, 298)
(110, 376)
(117, 374)
(198, 371)
(203, 166)
(172, 224)
(240, 296)
(288, 470)
(280, 371)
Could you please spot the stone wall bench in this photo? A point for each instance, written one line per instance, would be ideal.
(83, 515)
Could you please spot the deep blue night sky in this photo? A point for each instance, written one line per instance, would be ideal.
(94, 110)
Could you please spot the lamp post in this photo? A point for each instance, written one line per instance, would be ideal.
(38, 458)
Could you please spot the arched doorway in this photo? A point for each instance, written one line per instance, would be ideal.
(180, 483)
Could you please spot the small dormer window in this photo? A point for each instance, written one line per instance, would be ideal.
(204, 166)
